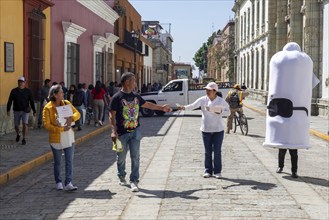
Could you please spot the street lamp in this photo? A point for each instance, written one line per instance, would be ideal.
(135, 36)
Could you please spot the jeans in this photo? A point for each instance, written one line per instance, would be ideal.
(40, 114)
(130, 141)
(69, 153)
(80, 121)
(213, 143)
(293, 156)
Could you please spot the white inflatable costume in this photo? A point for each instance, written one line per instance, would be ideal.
(289, 99)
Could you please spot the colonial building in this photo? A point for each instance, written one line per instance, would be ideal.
(24, 50)
(162, 53)
(148, 62)
(125, 56)
(82, 41)
(263, 28)
(221, 54)
(253, 44)
(324, 101)
(182, 71)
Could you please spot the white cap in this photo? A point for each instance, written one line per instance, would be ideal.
(211, 86)
(21, 79)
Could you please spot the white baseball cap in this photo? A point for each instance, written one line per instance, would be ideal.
(21, 79)
(211, 86)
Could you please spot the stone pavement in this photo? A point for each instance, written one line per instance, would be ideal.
(16, 159)
(171, 184)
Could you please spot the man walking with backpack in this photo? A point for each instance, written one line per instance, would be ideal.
(234, 99)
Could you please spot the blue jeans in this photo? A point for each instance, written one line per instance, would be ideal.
(213, 143)
(130, 141)
(69, 153)
(80, 121)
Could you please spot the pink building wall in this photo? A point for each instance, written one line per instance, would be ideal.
(82, 16)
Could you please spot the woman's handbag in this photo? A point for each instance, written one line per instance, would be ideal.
(67, 138)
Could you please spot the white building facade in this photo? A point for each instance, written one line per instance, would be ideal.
(325, 56)
(252, 44)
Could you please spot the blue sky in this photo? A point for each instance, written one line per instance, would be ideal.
(192, 21)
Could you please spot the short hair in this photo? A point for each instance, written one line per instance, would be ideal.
(126, 76)
(53, 91)
(47, 81)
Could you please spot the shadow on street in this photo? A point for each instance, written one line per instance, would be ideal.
(255, 185)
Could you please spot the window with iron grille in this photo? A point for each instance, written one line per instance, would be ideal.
(99, 66)
(73, 61)
(36, 51)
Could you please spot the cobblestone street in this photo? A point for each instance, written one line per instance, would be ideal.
(171, 184)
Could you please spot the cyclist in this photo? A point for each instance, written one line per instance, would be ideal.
(234, 99)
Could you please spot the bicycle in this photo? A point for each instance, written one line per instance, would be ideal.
(242, 122)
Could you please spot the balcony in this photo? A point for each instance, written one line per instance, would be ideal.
(128, 42)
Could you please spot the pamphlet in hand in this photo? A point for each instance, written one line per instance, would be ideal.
(214, 109)
(62, 113)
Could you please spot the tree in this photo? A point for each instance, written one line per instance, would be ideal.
(201, 56)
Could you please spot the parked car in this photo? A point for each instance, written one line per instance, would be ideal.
(176, 91)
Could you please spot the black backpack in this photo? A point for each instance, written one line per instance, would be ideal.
(234, 100)
(78, 98)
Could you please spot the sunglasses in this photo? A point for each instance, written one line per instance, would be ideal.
(283, 107)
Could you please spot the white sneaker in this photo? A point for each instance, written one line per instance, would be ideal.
(217, 175)
(134, 187)
(100, 123)
(123, 181)
(206, 175)
(59, 186)
(70, 187)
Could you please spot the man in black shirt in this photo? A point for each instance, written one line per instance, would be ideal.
(124, 121)
(23, 102)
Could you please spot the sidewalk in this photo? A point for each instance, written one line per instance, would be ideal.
(16, 159)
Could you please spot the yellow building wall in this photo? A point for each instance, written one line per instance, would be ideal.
(11, 30)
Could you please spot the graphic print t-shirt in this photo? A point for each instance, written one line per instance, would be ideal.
(127, 106)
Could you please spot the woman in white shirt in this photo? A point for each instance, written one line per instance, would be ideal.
(213, 108)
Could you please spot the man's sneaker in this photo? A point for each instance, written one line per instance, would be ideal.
(17, 138)
(70, 187)
(294, 175)
(100, 123)
(218, 175)
(59, 186)
(96, 124)
(134, 187)
(23, 142)
(123, 181)
(206, 175)
(279, 170)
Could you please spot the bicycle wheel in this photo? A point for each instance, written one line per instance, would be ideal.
(244, 125)
(236, 123)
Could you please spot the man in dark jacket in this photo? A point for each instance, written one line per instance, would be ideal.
(23, 103)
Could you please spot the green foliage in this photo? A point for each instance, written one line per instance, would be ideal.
(201, 56)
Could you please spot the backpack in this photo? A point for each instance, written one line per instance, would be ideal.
(234, 101)
(78, 98)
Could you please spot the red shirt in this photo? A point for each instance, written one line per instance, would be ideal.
(99, 95)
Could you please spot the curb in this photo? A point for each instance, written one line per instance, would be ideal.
(312, 131)
(29, 165)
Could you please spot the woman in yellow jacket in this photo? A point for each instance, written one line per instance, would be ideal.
(57, 133)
